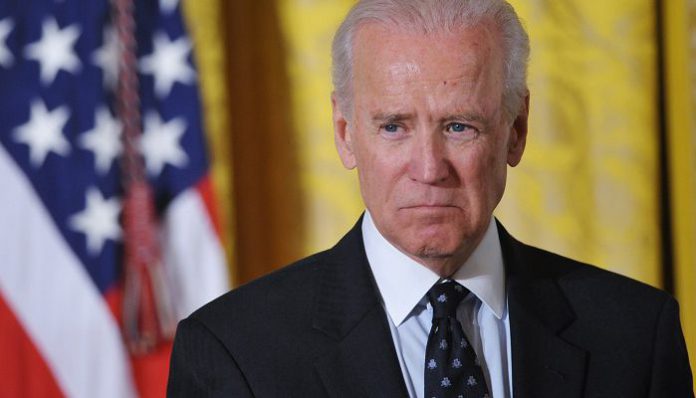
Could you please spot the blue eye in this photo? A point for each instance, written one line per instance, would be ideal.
(391, 128)
(457, 127)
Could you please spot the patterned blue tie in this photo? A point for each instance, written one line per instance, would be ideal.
(451, 368)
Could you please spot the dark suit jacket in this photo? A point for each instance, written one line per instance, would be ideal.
(316, 329)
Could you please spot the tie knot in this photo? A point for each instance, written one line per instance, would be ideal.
(445, 297)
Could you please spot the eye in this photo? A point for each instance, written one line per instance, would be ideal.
(393, 131)
(391, 128)
(458, 127)
(461, 131)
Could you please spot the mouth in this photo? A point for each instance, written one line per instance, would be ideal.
(429, 207)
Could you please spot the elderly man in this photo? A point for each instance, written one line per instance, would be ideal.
(428, 296)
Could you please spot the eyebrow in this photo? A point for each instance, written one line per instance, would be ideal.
(391, 117)
(473, 117)
(397, 117)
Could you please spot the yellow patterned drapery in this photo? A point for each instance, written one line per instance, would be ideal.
(588, 184)
(331, 197)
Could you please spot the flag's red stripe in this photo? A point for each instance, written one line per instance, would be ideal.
(114, 299)
(23, 372)
(150, 371)
(205, 189)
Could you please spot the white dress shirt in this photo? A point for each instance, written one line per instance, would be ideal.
(403, 283)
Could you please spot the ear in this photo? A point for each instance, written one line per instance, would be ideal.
(518, 134)
(343, 136)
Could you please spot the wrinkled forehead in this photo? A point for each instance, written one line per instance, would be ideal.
(403, 54)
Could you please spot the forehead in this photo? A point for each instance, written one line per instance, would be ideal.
(400, 54)
(429, 76)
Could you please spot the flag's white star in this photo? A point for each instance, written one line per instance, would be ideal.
(168, 6)
(98, 221)
(168, 63)
(54, 51)
(6, 58)
(104, 140)
(44, 132)
(160, 143)
(106, 57)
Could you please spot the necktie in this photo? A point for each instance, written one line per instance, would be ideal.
(451, 368)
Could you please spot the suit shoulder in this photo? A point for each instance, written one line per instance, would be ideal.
(589, 280)
(294, 282)
(526, 263)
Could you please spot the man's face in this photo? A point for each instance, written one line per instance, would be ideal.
(429, 138)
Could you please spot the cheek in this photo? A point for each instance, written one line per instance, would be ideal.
(483, 173)
(374, 175)
(496, 166)
(380, 166)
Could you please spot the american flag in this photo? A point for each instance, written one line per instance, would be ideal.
(62, 194)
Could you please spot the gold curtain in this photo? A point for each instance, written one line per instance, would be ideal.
(268, 211)
(331, 198)
(680, 80)
(588, 184)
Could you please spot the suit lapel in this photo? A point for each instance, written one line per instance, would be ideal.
(363, 363)
(543, 363)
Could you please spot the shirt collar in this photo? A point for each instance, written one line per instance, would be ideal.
(403, 282)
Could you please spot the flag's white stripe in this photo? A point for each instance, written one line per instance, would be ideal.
(193, 253)
(54, 298)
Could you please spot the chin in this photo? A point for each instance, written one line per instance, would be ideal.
(433, 247)
(441, 241)
(428, 252)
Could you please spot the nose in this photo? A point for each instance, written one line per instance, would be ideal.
(429, 163)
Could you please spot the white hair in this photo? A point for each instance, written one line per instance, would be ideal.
(430, 16)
